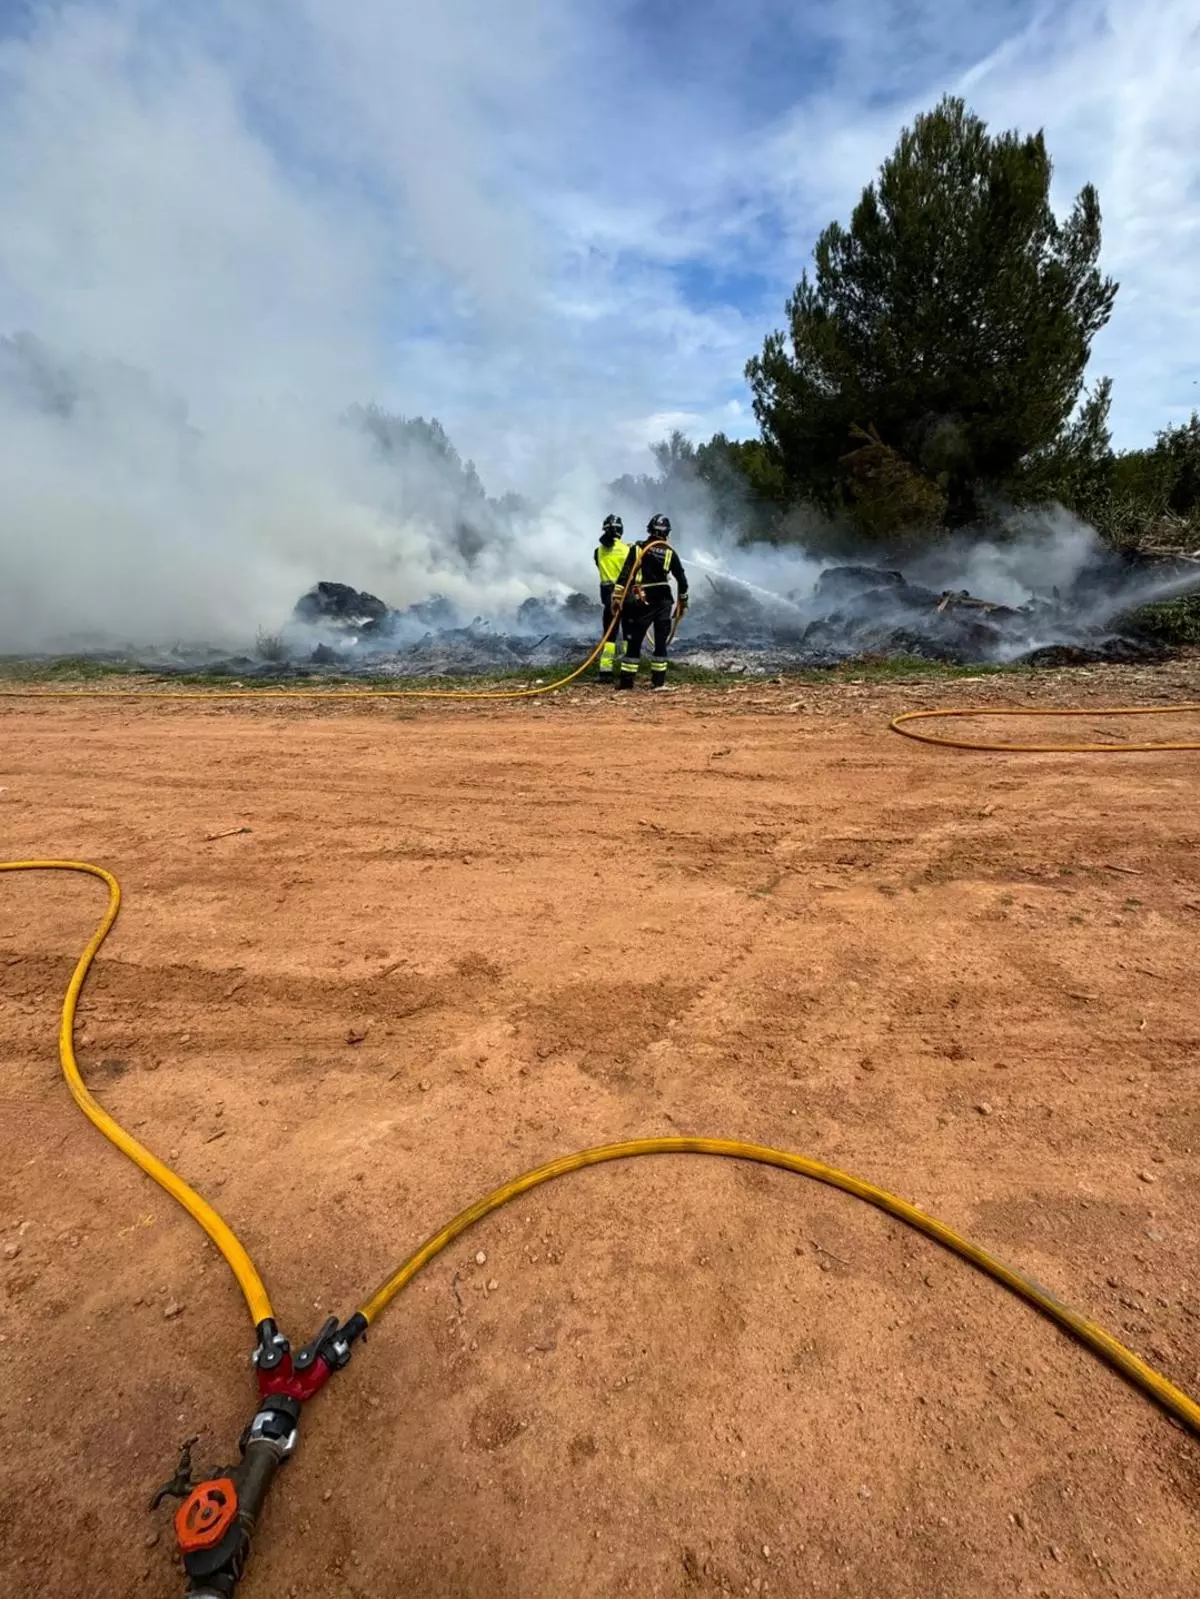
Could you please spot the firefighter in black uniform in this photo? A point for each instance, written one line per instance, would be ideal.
(647, 602)
(609, 557)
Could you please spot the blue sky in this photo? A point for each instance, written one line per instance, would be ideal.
(562, 226)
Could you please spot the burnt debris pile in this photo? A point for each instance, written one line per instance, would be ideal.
(336, 626)
(339, 604)
(850, 611)
(867, 610)
(873, 611)
(805, 618)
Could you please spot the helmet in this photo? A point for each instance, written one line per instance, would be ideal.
(613, 528)
(659, 527)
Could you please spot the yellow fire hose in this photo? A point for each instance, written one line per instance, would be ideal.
(303, 693)
(215, 1524)
(1102, 1343)
(257, 1300)
(903, 724)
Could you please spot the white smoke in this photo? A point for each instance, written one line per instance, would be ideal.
(1042, 550)
(187, 314)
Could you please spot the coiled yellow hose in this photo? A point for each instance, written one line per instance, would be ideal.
(902, 724)
(1102, 1343)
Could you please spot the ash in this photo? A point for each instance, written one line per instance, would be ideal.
(847, 613)
(851, 612)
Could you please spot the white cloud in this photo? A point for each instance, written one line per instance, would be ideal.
(1114, 84)
(734, 419)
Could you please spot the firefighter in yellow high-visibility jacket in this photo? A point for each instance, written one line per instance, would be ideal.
(610, 556)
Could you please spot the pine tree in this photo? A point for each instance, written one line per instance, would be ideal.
(954, 317)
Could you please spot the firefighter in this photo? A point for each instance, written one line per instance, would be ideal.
(610, 556)
(647, 603)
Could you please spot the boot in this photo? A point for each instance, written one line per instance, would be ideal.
(625, 680)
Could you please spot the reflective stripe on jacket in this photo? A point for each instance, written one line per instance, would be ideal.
(655, 566)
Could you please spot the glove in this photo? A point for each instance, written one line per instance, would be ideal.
(618, 594)
(683, 603)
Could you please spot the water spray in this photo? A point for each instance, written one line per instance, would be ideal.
(768, 595)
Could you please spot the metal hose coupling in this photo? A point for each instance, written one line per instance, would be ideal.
(214, 1526)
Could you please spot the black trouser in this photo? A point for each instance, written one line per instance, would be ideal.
(638, 619)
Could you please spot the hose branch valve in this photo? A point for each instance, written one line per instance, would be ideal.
(214, 1526)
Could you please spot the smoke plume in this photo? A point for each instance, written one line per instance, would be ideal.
(188, 314)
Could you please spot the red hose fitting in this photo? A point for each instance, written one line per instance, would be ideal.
(285, 1380)
(305, 1373)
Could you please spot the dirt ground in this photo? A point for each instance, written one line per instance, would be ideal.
(749, 913)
